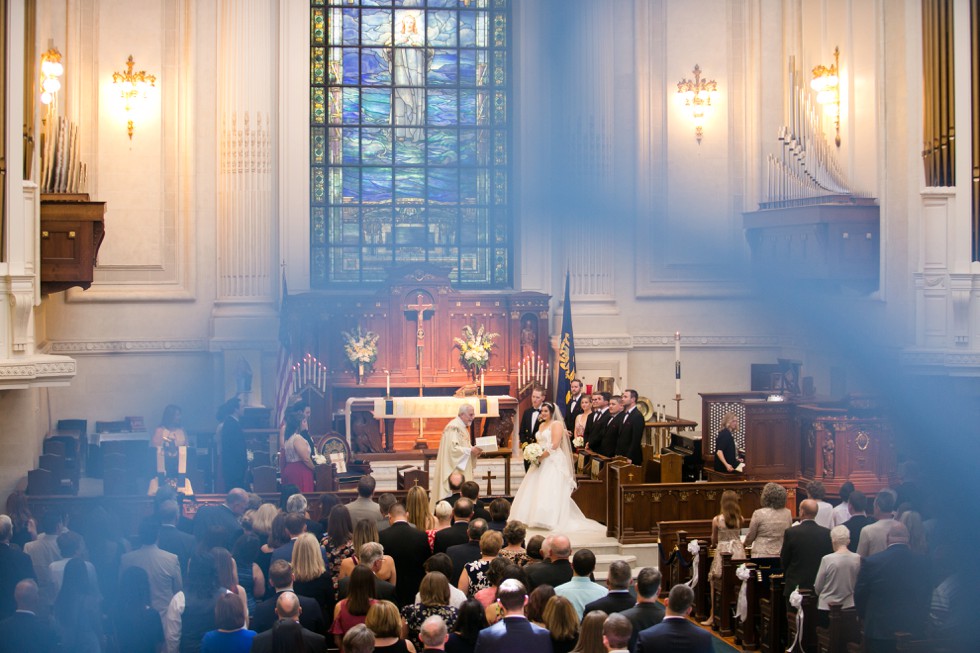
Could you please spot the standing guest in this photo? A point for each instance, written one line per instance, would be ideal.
(912, 521)
(433, 600)
(43, 551)
(495, 576)
(250, 575)
(385, 622)
(804, 546)
(583, 417)
(435, 634)
(76, 610)
(857, 505)
(492, 609)
(474, 575)
(24, 630)
(295, 525)
(534, 549)
(836, 576)
(277, 537)
(191, 611)
(590, 639)
(72, 546)
(225, 518)
(562, 623)
(617, 632)
(339, 541)
(499, 511)
(417, 507)
(471, 490)
(893, 592)
(456, 480)
(825, 512)
(327, 503)
(458, 532)
(581, 590)
(161, 567)
(281, 577)
(444, 565)
(228, 577)
(455, 451)
(514, 632)
(676, 633)
(619, 598)
(409, 549)
(310, 576)
(840, 513)
(366, 531)
(874, 537)
(630, 439)
(469, 622)
(297, 503)
(534, 610)
(171, 539)
(262, 519)
(555, 569)
(364, 507)
(287, 635)
(385, 502)
(137, 626)
(231, 444)
(230, 634)
(529, 420)
(726, 529)
(573, 406)
(371, 555)
(353, 609)
(443, 515)
(726, 455)
(15, 566)
(298, 468)
(25, 529)
(514, 533)
(769, 522)
(461, 554)
(358, 639)
(648, 611)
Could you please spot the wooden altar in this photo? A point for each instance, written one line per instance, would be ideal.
(415, 297)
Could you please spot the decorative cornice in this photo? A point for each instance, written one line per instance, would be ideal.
(666, 341)
(38, 370)
(81, 347)
(940, 359)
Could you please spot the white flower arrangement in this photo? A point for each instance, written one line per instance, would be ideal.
(474, 348)
(532, 453)
(361, 347)
(578, 442)
(319, 459)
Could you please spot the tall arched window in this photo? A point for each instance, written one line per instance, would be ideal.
(409, 139)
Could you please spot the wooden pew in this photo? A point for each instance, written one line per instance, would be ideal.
(757, 588)
(674, 559)
(844, 628)
(724, 594)
(905, 643)
(772, 617)
(809, 608)
(702, 591)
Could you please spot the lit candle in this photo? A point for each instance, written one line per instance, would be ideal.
(547, 375)
(387, 383)
(481, 382)
(677, 363)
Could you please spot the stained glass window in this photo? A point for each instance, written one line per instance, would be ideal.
(409, 139)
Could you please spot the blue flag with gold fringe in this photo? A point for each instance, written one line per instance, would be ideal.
(566, 350)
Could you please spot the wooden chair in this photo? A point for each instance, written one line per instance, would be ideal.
(41, 482)
(844, 628)
(264, 480)
(353, 470)
(260, 459)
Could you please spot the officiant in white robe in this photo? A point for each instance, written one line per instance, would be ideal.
(455, 453)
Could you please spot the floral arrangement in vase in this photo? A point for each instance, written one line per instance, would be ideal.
(361, 348)
(474, 348)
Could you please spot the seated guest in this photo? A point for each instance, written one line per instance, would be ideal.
(499, 514)
(769, 522)
(76, 610)
(433, 600)
(534, 610)
(371, 556)
(514, 533)
(444, 565)
(367, 531)
(358, 639)
(310, 577)
(874, 537)
(836, 576)
(590, 633)
(676, 632)
(616, 633)
(469, 622)
(384, 621)
(24, 630)
(840, 513)
(353, 608)
(648, 611)
(136, 624)
(474, 576)
(562, 623)
(581, 589)
(619, 598)
(857, 505)
(514, 632)
(230, 634)
(364, 507)
(281, 577)
(287, 633)
(816, 491)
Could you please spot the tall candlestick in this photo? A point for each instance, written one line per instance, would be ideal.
(677, 363)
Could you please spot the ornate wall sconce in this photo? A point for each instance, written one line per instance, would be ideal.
(697, 95)
(826, 84)
(51, 70)
(132, 86)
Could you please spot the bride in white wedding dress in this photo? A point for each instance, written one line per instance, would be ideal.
(544, 499)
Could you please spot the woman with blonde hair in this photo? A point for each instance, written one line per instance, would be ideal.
(917, 531)
(726, 529)
(561, 620)
(769, 522)
(417, 505)
(310, 572)
(262, 519)
(367, 531)
(590, 633)
(384, 620)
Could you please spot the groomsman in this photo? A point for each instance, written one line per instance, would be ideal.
(610, 434)
(529, 420)
(596, 422)
(631, 433)
(574, 406)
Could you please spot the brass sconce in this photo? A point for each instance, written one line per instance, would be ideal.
(698, 95)
(51, 70)
(132, 85)
(826, 84)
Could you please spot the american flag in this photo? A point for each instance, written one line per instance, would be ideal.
(284, 366)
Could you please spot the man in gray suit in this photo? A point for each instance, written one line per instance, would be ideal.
(363, 507)
(162, 567)
(874, 537)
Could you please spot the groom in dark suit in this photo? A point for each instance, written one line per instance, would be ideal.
(514, 632)
(529, 420)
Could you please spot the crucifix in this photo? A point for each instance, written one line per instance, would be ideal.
(489, 476)
(419, 309)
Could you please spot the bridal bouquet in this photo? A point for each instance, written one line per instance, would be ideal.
(319, 459)
(578, 442)
(474, 348)
(361, 347)
(532, 453)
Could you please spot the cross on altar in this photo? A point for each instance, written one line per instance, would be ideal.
(419, 308)
(489, 476)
